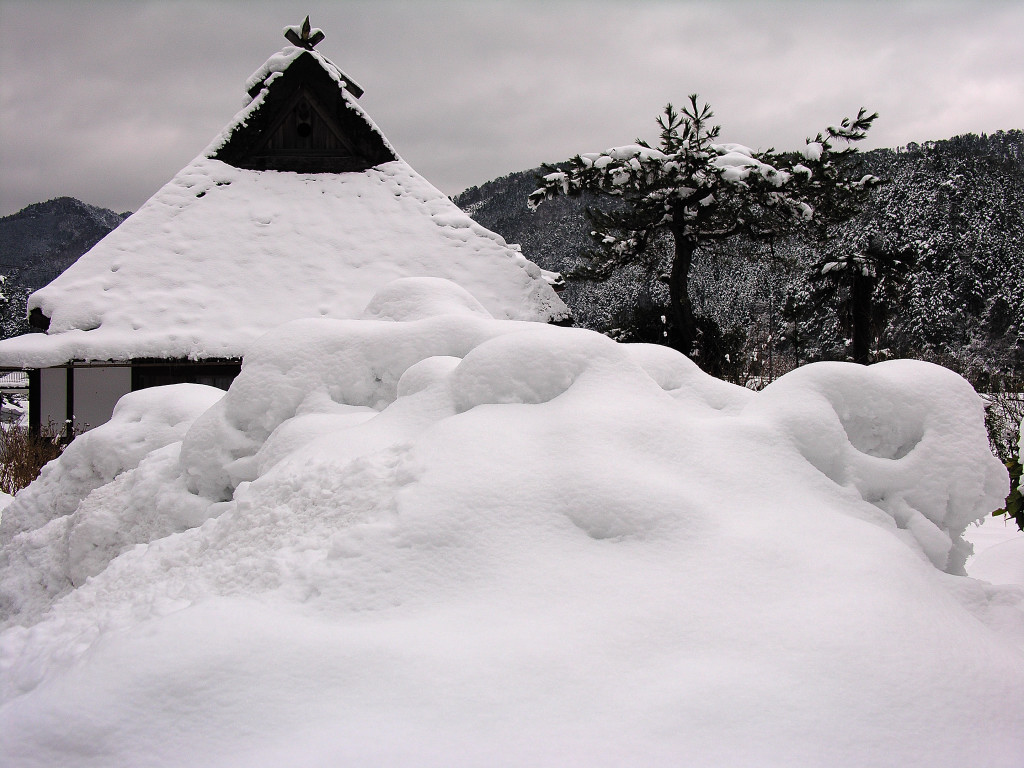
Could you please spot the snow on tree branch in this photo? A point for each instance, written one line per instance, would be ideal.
(698, 189)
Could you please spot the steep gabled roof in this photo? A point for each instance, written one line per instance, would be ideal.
(225, 250)
(303, 118)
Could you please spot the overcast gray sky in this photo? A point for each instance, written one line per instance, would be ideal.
(105, 101)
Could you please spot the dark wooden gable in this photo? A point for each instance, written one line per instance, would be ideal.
(304, 125)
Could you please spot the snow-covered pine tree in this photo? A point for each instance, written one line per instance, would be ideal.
(698, 191)
(829, 172)
(12, 308)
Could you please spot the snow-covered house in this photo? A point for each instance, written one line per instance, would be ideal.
(299, 208)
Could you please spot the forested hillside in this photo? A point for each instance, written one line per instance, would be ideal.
(955, 207)
(39, 242)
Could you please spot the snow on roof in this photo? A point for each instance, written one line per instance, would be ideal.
(281, 60)
(220, 255)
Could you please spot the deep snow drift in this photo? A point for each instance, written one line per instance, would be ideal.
(430, 537)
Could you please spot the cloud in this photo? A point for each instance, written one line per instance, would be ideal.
(105, 101)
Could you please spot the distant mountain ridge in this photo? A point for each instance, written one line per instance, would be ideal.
(42, 240)
(45, 238)
(958, 203)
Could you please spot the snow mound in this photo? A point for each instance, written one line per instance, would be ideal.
(142, 421)
(682, 377)
(460, 540)
(112, 488)
(900, 436)
(415, 298)
(533, 366)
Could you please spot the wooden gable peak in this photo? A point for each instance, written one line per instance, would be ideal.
(306, 123)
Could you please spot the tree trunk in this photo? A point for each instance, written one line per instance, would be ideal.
(679, 295)
(860, 317)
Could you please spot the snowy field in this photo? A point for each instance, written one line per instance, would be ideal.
(428, 537)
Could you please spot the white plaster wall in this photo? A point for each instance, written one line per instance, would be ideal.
(53, 397)
(97, 390)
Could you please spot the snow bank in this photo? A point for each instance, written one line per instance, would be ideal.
(90, 504)
(901, 435)
(141, 422)
(449, 539)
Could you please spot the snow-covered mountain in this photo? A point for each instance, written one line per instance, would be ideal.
(41, 240)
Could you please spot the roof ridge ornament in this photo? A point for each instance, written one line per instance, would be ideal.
(304, 36)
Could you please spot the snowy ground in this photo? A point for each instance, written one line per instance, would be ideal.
(432, 538)
(998, 551)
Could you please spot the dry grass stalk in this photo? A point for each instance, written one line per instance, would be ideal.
(23, 455)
